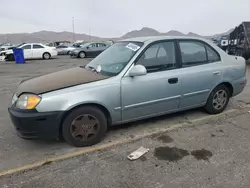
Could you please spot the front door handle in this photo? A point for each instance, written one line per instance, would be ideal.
(173, 80)
(216, 73)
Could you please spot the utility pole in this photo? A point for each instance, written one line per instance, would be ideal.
(73, 27)
(89, 35)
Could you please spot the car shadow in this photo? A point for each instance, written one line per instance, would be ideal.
(156, 119)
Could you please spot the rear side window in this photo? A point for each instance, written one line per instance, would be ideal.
(58, 47)
(37, 46)
(192, 53)
(101, 45)
(197, 53)
(212, 56)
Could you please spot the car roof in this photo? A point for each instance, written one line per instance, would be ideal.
(156, 38)
(32, 43)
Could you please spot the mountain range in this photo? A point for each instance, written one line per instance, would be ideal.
(50, 36)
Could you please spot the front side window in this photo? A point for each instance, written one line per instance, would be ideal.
(159, 57)
(92, 45)
(113, 60)
(37, 46)
(26, 47)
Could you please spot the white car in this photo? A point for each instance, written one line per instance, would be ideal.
(32, 51)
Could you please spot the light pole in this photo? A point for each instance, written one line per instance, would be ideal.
(73, 27)
(89, 35)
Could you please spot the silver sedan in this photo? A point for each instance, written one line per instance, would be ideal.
(133, 79)
(64, 49)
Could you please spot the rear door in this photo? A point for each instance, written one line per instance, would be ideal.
(100, 48)
(38, 51)
(201, 72)
(27, 51)
(92, 50)
(60, 49)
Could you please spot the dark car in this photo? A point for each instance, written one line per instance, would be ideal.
(89, 50)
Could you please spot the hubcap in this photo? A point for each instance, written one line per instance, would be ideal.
(82, 55)
(219, 99)
(84, 127)
(46, 56)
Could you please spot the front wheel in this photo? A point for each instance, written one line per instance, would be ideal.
(84, 126)
(218, 100)
(11, 57)
(46, 55)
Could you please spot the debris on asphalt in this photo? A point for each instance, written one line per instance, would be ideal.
(137, 153)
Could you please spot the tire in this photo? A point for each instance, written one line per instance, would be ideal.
(11, 57)
(46, 56)
(68, 53)
(83, 118)
(82, 55)
(210, 106)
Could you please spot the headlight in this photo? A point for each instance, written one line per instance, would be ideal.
(28, 101)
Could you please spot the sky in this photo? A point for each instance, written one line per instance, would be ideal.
(114, 18)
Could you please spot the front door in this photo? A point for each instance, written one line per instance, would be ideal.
(159, 90)
(201, 72)
(27, 51)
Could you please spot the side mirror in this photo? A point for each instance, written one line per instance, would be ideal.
(138, 70)
(87, 47)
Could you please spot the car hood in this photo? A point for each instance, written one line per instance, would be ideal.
(8, 51)
(58, 80)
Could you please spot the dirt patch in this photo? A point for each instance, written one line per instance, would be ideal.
(170, 154)
(165, 138)
(202, 154)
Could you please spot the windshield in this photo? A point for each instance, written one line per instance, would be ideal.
(17, 46)
(112, 61)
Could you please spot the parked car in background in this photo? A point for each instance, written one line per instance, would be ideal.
(32, 51)
(79, 44)
(89, 50)
(5, 47)
(133, 79)
(3, 52)
(65, 49)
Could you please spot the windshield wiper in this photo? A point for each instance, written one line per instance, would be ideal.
(93, 69)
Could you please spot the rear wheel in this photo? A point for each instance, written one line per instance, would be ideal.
(84, 126)
(218, 100)
(46, 55)
(82, 55)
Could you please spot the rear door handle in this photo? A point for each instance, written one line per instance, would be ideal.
(173, 80)
(216, 73)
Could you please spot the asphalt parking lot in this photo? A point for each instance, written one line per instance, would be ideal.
(16, 152)
(212, 155)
